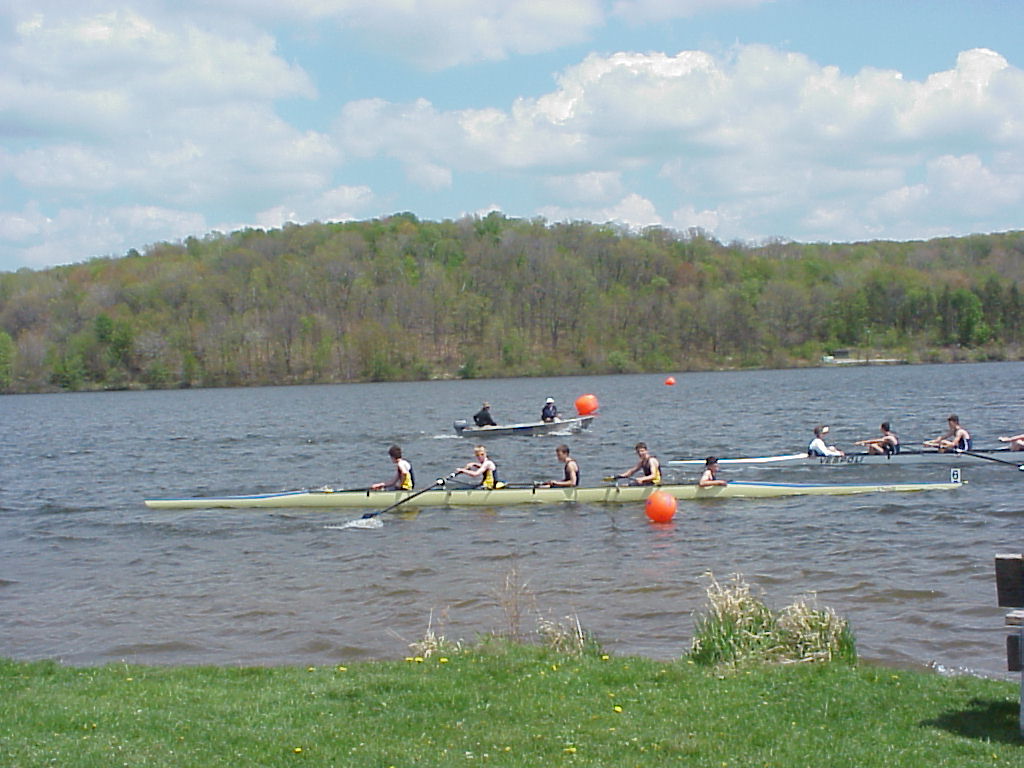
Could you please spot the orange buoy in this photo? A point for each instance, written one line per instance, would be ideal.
(660, 507)
(670, 381)
(586, 405)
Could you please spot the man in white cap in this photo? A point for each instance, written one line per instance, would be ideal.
(549, 412)
(817, 446)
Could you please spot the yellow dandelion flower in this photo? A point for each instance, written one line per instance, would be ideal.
(617, 708)
(443, 660)
(297, 750)
(342, 669)
(570, 749)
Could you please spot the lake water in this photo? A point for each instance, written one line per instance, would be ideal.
(89, 575)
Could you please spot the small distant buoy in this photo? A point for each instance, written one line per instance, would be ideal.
(586, 405)
(660, 507)
(670, 381)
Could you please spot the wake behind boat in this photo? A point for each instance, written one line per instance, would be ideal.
(574, 424)
(501, 497)
(905, 456)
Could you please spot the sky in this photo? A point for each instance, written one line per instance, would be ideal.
(132, 122)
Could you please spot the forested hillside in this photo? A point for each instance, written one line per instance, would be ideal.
(399, 298)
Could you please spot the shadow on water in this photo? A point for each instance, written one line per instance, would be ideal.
(983, 719)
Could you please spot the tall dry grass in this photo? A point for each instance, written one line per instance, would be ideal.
(739, 629)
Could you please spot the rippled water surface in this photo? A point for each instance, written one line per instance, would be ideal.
(90, 575)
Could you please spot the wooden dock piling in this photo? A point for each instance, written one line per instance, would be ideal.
(1010, 594)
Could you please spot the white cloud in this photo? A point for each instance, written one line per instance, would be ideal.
(592, 187)
(417, 133)
(955, 189)
(437, 34)
(757, 144)
(661, 10)
(117, 72)
(72, 233)
(343, 203)
(688, 217)
(120, 106)
(633, 210)
(110, 106)
(68, 167)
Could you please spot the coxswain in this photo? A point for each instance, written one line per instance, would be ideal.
(817, 446)
(710, 474)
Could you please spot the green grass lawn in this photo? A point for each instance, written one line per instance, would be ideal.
(504, 705)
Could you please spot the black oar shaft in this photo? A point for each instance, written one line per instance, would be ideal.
(439, 482)
(1016, 464)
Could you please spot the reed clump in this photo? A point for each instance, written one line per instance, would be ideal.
(567, 637)
(518, 605)
(434, 642)
(739, 629)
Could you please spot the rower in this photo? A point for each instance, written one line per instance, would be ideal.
(817, 446)
(1016, 442)
(647, 464)
(403, 479)
(570, 470)
(483, 468)
(956, 437)
(886, 445)
(710, 475)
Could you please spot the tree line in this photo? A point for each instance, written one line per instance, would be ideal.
(400, 298)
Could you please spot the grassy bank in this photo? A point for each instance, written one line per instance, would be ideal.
(504, 705)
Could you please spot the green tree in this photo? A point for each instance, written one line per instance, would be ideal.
(7, 353)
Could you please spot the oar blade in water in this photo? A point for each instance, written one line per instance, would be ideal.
(359, 522)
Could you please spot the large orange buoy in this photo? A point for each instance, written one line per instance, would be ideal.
(670, 381)
(660, 507)
(586, 405)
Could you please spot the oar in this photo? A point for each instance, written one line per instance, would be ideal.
(435, 484)
(993, 458)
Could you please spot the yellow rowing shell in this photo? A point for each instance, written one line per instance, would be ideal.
(502, 497)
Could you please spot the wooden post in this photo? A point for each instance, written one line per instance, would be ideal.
(1010, 592)
(1010, 580)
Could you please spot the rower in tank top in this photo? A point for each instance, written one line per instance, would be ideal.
(647, 465)
(483, 468)
(956, 437)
